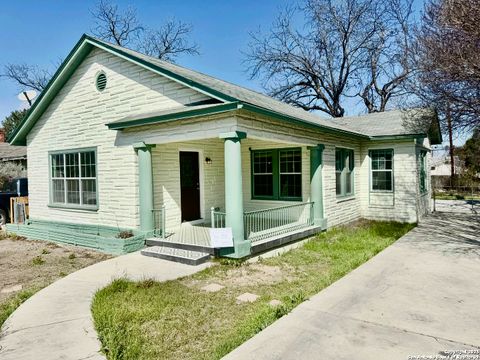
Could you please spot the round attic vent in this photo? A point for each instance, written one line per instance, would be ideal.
(101, 81)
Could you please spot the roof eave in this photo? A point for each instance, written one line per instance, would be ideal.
(224, 108)
(70, 64)
(435, 132)
(74, 58)
(181, 115)
(398, 137)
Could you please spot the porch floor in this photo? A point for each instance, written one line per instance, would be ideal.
(198, 235)
(197, 238)
(186, 237)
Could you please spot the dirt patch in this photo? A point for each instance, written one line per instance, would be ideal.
(246, 275)
(36, 264)
(255, 274)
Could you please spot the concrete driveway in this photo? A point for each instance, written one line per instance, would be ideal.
(462, 206)
(420, 296)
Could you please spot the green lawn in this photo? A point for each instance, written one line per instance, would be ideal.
(177, 320)
(11, 304)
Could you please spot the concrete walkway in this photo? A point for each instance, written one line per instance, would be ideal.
(56, 322)
(461, 206)
(420, 296)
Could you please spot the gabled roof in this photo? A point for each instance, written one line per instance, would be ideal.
(225, 92)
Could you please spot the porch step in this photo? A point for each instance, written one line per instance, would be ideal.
(188, 257)
(179, 245)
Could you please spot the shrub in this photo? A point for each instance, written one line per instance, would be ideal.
(125, 234)
(38, 260)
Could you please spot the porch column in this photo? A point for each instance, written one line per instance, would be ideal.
(316, 187)
(234, 192)
(145, 185)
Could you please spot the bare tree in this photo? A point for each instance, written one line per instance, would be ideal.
(449, 70)
(27, 76)
(121, 28)
(168, 42)
(313, 68)
(390, 56)
(115, 26)
(124, 29)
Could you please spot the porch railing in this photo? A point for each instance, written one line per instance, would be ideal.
(262, 224)
(159, 222)
(217, 218)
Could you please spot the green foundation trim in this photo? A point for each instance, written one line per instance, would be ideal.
(240, 250)
(98, 237)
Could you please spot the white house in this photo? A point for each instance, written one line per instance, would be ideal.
(119, 140)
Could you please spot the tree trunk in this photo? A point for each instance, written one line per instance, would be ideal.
(451, 148)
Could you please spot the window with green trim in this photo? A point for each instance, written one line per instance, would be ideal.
(74, 178)
(344, 166)
(277, 174)
(423, 171)
(381, 168)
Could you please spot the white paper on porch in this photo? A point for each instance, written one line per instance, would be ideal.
(221, 237)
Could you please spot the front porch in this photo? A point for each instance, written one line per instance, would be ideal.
(268, 193)
(263, 229)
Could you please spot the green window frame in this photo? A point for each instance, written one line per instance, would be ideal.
(423, 172)
(381, 170)
(73, 178)
(344, 172)
(276, 174)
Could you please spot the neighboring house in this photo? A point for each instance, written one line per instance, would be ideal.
(440, 166)
(12, 154)
(120, 139)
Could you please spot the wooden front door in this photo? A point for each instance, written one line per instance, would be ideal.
(190, 185)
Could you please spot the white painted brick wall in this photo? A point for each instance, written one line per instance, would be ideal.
(401, 204)
(76, 119)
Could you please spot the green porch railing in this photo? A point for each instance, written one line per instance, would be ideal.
(217, 217)
(262, 224)
(159, 222)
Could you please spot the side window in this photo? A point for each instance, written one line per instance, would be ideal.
(344, 166)
(423, 171)
(381, 168)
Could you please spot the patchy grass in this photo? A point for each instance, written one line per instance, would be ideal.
(176, 319)
(32, 265)
(38, 260)
(8, 307)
